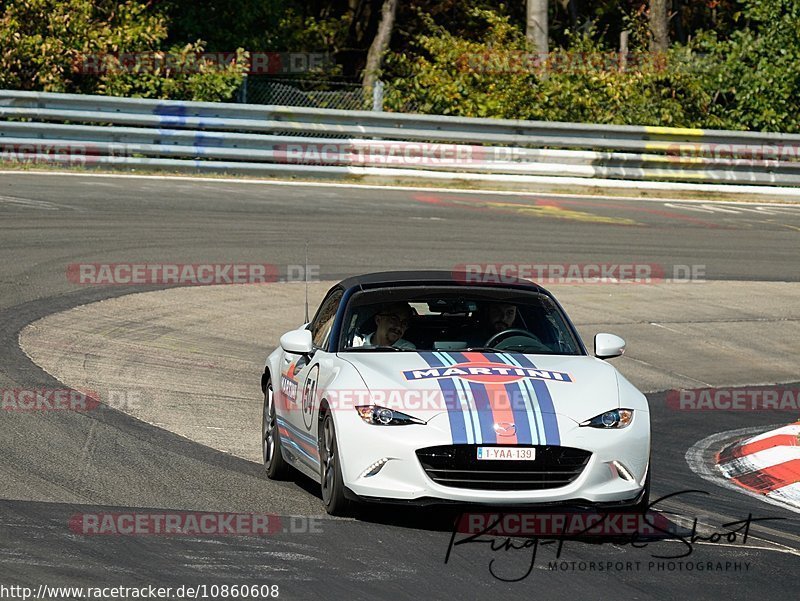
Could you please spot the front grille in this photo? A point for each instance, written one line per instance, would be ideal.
(457, 466)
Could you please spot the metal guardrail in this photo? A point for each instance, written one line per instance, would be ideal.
(260, 139)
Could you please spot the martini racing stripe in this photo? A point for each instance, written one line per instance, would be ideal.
(483, 403)
(475, 407)
(504, 413)
(470, 413)
(548, 411)
(299, 441)
(467, 402)
(499, 404)
(458, 428)
(533, 411)
(522, 406)
(485, 414)
(471, 402)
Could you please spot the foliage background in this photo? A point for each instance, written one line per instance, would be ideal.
(733, 64)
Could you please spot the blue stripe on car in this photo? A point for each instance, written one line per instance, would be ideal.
(293, 442)
(548, 411)
(532, 409)
(458, 427)
(521, 405)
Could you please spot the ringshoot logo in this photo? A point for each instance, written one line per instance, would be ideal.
(577, 273)
(754, 398)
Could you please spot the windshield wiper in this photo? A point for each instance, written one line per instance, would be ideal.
(478, 349)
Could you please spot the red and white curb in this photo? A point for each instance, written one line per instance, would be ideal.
(767, 464)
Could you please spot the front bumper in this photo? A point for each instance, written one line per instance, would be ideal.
(401, 477)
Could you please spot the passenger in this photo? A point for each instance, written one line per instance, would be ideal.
(391, 322)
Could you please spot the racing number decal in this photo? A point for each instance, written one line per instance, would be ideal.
(309, 394)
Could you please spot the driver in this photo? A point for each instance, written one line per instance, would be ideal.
(496, 318)
(391, 322)
(501, 317)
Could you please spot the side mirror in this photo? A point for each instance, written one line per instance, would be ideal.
(297, 342)
(607, 346)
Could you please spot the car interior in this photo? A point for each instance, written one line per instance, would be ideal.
(448, 322)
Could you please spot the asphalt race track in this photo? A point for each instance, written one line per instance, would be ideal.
(62, 463)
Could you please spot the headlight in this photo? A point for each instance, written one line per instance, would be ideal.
(381, 416)
(616, 418)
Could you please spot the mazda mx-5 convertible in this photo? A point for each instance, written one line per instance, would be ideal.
(425, 387)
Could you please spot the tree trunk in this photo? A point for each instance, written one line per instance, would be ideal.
(536, 28)
(659, 26)
(380, 44)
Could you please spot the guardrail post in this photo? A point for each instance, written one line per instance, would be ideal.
(377, 96)
(623, 50)
(241, 95)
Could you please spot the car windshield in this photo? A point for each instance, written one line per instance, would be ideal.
(408, 319)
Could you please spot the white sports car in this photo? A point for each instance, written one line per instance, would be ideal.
(422, 387)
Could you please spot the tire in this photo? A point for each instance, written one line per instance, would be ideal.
(331, 480)
(274, 463)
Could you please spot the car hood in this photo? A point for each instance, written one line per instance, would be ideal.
(425, 384)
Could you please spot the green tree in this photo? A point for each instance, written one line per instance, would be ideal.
(498, 76)
(753, 75)
(103, 46)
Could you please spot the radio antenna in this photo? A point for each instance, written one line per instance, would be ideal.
(305, 276)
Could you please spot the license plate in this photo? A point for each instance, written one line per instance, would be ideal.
(506, 454)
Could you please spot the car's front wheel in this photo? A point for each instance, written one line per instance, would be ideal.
(330, 471)
(274, 463)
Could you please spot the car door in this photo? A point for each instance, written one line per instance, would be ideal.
(300, 375)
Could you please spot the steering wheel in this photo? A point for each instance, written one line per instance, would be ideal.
(506, 333)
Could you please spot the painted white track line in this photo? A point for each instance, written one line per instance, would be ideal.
(794, 201)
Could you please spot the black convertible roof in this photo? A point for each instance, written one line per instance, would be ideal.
(432, 278)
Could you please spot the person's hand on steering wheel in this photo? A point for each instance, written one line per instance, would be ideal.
(493, 340)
